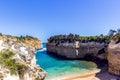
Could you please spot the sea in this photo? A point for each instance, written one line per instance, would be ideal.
(57, 68)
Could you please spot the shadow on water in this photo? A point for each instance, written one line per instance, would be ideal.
(57, 64)
(60, 66)
(100, 63)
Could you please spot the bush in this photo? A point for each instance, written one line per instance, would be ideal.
(21, 68)
(21, 38)
(57, 39)
(7, 54)
(10, 63)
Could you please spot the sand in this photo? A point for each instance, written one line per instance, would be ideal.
(88, 76)
(85, 77)
(100, 76)
(92, 76)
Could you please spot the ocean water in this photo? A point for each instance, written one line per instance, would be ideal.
(62, 68)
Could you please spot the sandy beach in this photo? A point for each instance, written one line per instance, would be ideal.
(100, 76)
(92, 76)
(85, 77)
(88, 76)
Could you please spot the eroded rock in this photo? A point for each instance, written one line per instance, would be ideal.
(114, 55)
(69, 50)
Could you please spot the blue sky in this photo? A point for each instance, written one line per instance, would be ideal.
(44, 18)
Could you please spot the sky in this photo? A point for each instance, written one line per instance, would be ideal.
(45, 18)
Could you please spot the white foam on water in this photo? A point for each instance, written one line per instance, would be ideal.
(43, 49)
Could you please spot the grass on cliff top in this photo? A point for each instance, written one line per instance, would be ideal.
(7, 61)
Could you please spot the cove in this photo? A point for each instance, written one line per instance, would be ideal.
(57, 68)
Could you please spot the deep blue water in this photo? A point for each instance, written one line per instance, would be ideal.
(60, 68)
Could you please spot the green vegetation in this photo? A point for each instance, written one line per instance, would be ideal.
(100, 39)
(21, 38)
(71, 38)
(63, 39)
(7, 61)
(21, 68)
(6, 54)
(37, 78)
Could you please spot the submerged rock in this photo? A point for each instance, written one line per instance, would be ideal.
(114, 55)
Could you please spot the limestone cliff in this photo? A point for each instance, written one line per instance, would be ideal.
(114, 55)
(75, 47)
(17, 58)
(78, 50)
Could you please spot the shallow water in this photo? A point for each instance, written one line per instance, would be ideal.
(60, 68)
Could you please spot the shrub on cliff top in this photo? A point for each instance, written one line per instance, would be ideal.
(63, 38)
(71, 38)
(100, 39)
(21, 38)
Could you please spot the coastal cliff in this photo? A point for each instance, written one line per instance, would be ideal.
(17, 58)
(83, 50)
(78, 47)
(114, 55)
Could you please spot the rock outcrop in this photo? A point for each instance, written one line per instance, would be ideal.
(79, 50)
(114, 55)
(78, 47)
(17, 58)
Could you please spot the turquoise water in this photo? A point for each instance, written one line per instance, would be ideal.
(60, 68)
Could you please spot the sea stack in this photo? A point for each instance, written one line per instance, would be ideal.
(114, 55)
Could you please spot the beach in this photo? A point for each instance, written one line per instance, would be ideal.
(87, 76)
(100, 76)
(91, 76)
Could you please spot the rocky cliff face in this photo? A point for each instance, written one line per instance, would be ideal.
(114, 55)
(17, 58)
(79, 50)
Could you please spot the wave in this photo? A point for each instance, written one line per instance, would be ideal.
(43, 49)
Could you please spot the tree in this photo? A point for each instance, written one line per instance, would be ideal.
(111, 33)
